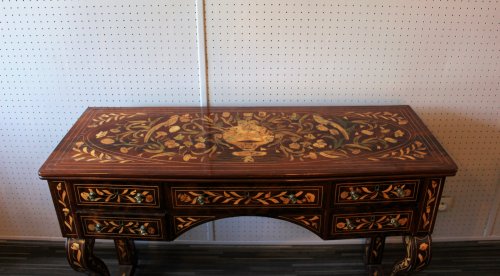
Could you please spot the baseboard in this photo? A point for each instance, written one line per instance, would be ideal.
(287, 242)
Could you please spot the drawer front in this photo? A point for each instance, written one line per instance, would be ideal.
(101, 195)
(381, 191)
(115, 226)
(372, 222)
(242, 197)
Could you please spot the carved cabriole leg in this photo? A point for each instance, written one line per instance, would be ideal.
(81, 257)
(127, 258)
(374, 249)
(418, 255)
(125, 251)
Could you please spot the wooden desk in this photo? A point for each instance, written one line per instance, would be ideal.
(340, 172)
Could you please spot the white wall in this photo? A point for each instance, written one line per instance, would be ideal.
(441, 57)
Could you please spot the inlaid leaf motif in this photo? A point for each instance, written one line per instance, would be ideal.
(194, 137)
(228, 197)
(372, 222)
(430, 202)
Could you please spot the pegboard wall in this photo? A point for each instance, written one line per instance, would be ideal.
(57, 58)
(441, 57)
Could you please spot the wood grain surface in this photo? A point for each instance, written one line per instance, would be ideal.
(257, 142)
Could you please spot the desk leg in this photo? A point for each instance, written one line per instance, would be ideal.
(81, 257)
(127, 258)
(374, 250)
(418, 255)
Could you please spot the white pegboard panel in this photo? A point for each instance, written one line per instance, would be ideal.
(260, 229)
(57, 58)
(439, 56)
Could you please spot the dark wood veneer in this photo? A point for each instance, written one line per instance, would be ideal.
(340, 172)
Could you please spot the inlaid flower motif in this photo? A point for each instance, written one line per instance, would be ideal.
(107, 141)
(312, 155)
(322, 128)
(334, 132)
(310, 197)
(174, 129)
(320, 144)
(310, 136)
(295, 146)
(171, 144)
(101, 134)
(185, 118)
(399, 133)
(200, 145)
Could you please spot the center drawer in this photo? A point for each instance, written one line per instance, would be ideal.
(245, 197)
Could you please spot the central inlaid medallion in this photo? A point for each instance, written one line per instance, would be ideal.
(248, 135)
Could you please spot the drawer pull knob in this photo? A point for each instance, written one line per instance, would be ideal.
(292, 198)
(98, 228)
(92, 196)
(354, 195)
(143, 231)
(394, 222)
(400, 192)
(349, 225)
(139, 198)
(200, 199)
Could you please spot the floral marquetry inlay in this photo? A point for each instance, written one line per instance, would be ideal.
(183, 223)
(117, 195)
(248, 136)
(63, 208)
(312, 222)
(121, 227)
(248, 198)
(383, 191)
(372, 222)
(431, 201)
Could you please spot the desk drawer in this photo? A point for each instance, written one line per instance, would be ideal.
(381, 191)
(121, 226)
(396, 221)
(124, 195)
(243, 197)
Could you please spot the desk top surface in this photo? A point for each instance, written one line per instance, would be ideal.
(237, 142)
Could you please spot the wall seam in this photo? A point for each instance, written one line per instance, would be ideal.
(202, 52)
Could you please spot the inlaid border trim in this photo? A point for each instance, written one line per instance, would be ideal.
(244, 197)
(184, 223)
(375, 222)
(123, 195)
(431, 202)
(376, 191)
(120, 231)
(60, 195)
(312, 222)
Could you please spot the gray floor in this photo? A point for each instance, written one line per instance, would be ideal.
(48, 258)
